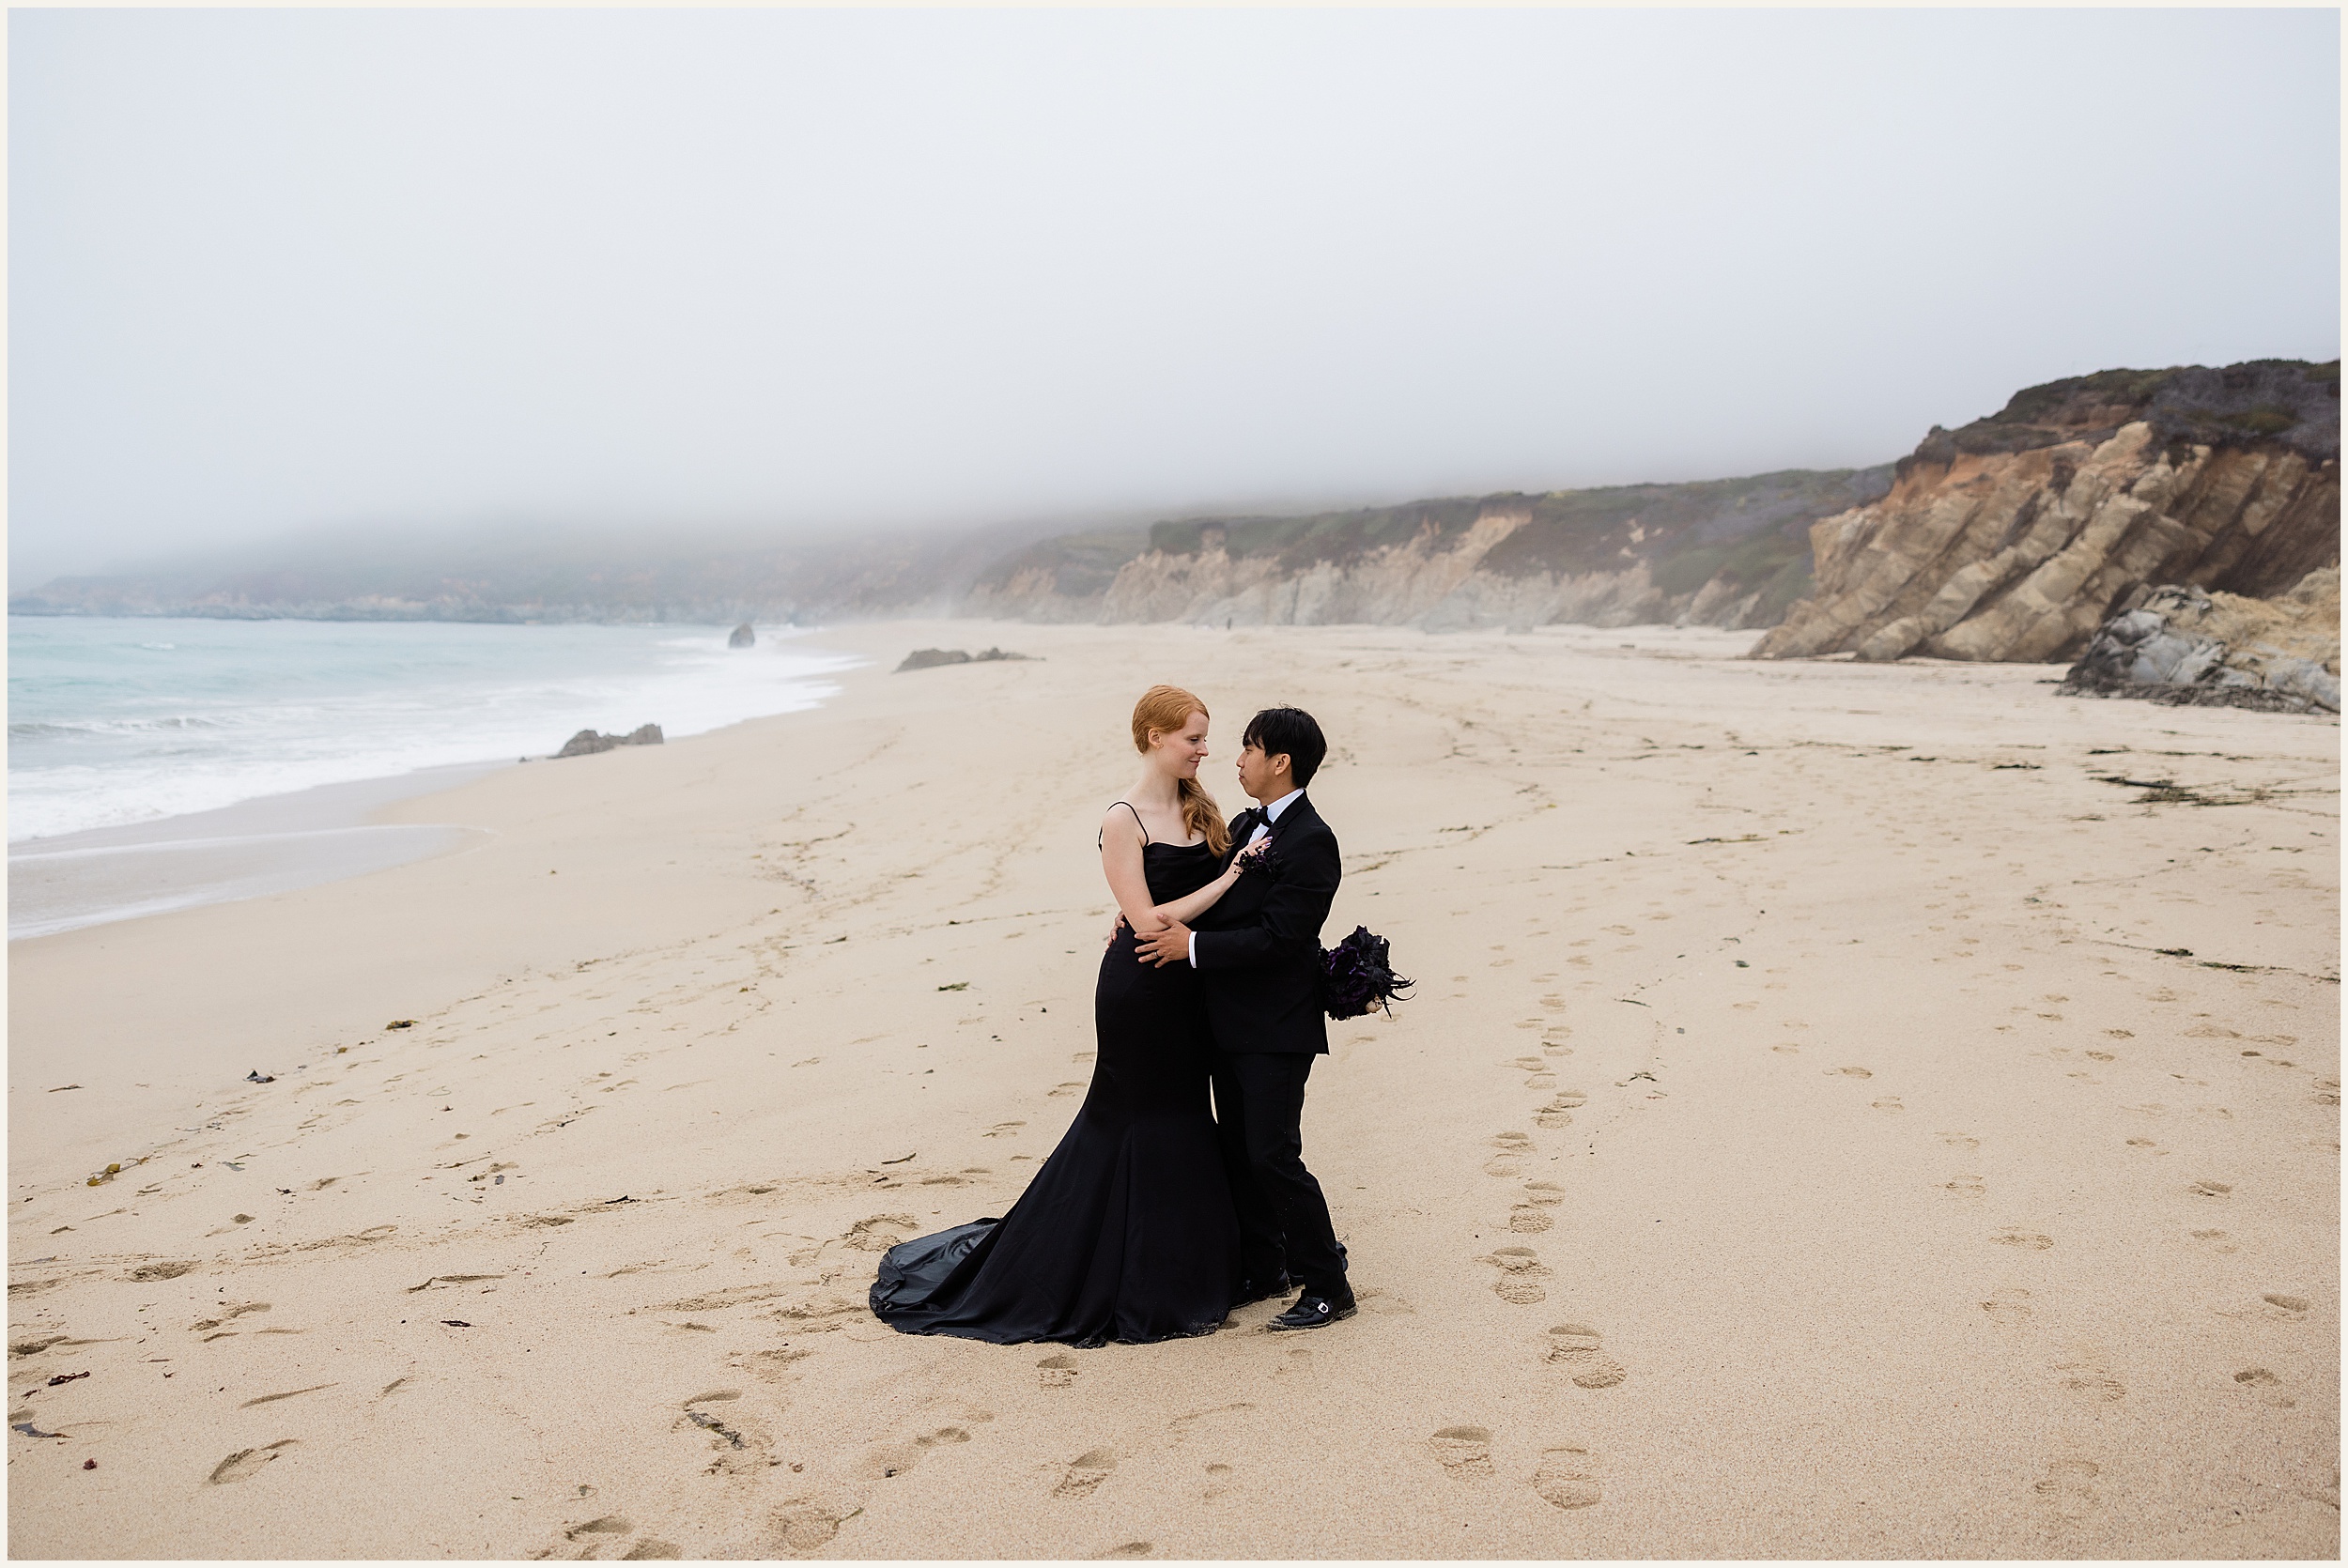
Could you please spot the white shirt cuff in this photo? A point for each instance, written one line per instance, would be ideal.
(1194, 949)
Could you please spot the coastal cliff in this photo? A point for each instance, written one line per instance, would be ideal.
(1717, 552)
(2015, 537)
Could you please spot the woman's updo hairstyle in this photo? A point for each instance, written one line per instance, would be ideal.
(1164, 709)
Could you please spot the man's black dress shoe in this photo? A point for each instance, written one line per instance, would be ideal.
(1313, 1311)
(1250, 1292)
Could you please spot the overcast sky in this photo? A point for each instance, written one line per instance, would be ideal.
(281, 269)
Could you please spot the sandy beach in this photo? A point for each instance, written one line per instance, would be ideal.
(1846, 1111)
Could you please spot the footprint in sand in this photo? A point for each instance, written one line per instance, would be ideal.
(2289, 1306)
(1519, 1269)
(2086, 1376)
(772, 1366)
(1130, 1549)
(2265, 1385)
(1568, 1479)
(2029, 1241)
(247, 1462)
(896, 1459)
(611, 1524)
(1848, 1072)
(804, 1525)
(1464, 1451)
(1559, 1111)
(1780, 1050)
(1063, 1090)
(2068, 1491)
(2217, 1239)
(1085, 1473)
(1003, 1130)
(1964, 1141)
(1527, 1220)
(876, 1233)
(2008, 1306)
(1576, 1349)
(1966, 1187)
(1889, 1103)
(2207, 1189)
(1513, 1146)
(1056, 1371)
(1219, 1481)
(2145, 1145)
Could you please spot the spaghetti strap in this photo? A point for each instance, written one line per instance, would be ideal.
(1138, 822)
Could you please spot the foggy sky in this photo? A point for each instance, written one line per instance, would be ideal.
(404, 271)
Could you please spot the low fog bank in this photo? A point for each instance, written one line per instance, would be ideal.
(515, 571)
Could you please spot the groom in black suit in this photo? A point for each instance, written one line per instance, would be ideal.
(1257, 953)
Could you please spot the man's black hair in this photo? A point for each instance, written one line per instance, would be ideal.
(1290, 730)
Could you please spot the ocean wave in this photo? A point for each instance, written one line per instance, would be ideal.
(251, 710)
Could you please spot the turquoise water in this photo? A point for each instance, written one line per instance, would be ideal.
(119, 721)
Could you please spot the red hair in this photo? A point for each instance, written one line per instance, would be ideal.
(1162, 710)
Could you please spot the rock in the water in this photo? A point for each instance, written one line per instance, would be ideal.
(2178, 644)
(2016, 536)
(930, 658)
(744, 637)
(587, 742)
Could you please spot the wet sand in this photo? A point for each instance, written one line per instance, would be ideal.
(1838, 1116)
(275, 844)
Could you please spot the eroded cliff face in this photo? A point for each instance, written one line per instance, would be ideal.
(2014, 538)
(1388, 583)
(1429, 582)
(1717, 552)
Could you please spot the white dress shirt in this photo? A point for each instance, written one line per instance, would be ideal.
(1271, 814)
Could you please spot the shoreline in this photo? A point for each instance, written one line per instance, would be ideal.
(269, 844)
(1840, 1062)
(279, 843)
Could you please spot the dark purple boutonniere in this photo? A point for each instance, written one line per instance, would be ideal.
(1266, 863)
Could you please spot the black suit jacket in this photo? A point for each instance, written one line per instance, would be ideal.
(1258, 948)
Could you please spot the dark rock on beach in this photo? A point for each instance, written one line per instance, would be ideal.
(930, 658)
(587, 742)
(2177, 644)
(742, 637)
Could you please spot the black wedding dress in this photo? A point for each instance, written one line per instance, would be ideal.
(1127, 1232)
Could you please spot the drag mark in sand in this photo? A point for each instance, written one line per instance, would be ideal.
(247, 1462)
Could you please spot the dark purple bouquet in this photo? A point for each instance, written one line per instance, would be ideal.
(1356, 977)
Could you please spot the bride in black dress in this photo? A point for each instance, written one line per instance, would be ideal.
(1127, 1232)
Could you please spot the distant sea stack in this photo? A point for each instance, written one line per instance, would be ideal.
(742, 637)
(2018, 535)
